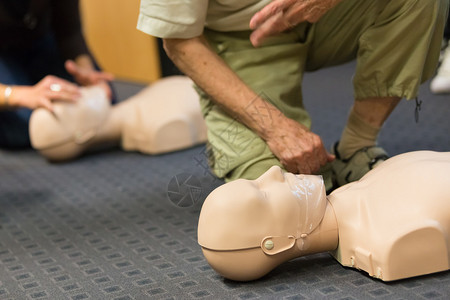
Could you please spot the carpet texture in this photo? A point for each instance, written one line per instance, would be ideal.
(118, 225)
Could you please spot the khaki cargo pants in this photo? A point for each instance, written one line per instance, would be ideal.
(396, 44)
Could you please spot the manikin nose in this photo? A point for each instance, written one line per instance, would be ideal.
(274, 173)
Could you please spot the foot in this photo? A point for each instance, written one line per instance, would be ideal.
(441, 82)
(355, 167)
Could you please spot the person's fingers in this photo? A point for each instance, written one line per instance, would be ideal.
(107, 88)
(87, 76)
(298, 162)
(312, 161)
(274, 18)
(330, 157)
(71, 67)
(281, 15)
(46, 103)
(60, 89)
(304, 167)
(320, 152)
(79, 74)
(314, 165)
(274, 25)
(273, 8)
(104, 76)
(290, 167)
(56, 84)
(92, 77)
(314, 154)
(298, 149)
(323, 155)
(64, 96)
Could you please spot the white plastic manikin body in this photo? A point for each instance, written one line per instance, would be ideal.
(162, 117)
(393, 223)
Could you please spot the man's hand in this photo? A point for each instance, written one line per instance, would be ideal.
(299, 150)
(281, 15)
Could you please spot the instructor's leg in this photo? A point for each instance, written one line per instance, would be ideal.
(274, 71)
(392, 61)
(395, 60)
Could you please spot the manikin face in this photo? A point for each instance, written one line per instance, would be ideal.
(240, 214)
(70, 122)
(239, 219)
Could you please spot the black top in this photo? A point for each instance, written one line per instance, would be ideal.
(24, 21)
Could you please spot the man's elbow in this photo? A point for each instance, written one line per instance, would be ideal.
(172, 47)
(179, 47)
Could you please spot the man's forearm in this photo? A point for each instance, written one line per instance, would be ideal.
(198, 61)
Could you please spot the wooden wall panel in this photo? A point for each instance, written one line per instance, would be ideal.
(110, 30)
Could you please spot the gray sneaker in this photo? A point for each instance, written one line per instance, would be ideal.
(355, 167)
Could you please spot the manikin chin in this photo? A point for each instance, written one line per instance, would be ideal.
(393, 223)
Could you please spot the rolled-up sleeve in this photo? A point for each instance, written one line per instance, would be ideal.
(172, 18)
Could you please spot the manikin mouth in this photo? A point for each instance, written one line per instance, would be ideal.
(309, 192)
(301, 186)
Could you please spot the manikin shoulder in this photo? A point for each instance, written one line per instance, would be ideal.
(388, 220)
(405, 182)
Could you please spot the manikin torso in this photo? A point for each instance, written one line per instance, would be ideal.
(393, 223)
(162, 117)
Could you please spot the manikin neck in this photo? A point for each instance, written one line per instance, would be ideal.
(111, 131)
(324, 238)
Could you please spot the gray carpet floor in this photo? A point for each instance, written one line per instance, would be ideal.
(116, 225)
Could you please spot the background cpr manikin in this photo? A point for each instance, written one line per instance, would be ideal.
(393, 223)
(162, 117)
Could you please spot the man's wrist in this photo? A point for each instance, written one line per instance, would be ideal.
(263, 117)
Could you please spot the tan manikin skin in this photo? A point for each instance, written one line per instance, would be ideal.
(161, 118)
(394, 223)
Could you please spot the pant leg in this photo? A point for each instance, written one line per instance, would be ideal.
(398, 62)
(396, 43)
(274, 71)
(392, 61)
(447, 26)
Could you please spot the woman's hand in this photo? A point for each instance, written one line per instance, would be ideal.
(42, 94)
(84, 74)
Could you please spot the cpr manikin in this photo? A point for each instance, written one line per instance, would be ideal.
(394, 223)
(162, 117)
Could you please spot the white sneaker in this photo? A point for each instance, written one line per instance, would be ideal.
(441, 82)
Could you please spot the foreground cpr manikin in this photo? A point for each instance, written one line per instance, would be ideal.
(394, 223)
(162, 117)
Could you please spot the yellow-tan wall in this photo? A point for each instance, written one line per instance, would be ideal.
(110, 31)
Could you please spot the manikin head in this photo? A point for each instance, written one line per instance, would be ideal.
(165, 116)
(66, 131)
(248, 227)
